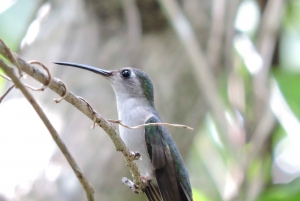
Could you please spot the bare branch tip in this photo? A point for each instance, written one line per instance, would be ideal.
(94, 122)
(7, 92)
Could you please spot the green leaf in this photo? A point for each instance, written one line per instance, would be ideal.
(199, 196)
(289, 84)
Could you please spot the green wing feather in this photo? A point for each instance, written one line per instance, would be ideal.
(166, 169)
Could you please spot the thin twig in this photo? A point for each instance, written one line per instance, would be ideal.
(49, 76)
(149, 124)
(5, 77)
(80, 105)
(88, 188)
(7, 92)
(26, 85)
(91, 109)
(216, 34)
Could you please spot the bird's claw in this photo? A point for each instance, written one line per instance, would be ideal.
(130, 184)
(135, 156)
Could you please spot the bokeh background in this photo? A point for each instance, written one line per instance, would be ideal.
(228, 68)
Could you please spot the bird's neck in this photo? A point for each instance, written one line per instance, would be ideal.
(132, 109)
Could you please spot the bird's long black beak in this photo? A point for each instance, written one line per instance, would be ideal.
(105, 73)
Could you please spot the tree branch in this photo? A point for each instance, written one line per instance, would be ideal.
(85, 184)
(57, 86)
(214, 44)
(268, 34)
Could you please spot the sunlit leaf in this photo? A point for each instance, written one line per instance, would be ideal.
(199, 196)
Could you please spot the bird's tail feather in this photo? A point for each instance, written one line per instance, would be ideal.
(153, 193)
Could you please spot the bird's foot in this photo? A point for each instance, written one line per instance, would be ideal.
(146, 179)
(136, 188)
(135, 156)
(131, 185)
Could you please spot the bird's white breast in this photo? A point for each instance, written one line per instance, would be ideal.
(132, 115)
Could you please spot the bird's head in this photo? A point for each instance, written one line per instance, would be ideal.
(127, 82)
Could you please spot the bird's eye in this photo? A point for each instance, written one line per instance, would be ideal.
(125, 73)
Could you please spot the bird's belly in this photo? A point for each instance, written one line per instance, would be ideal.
(135, 141)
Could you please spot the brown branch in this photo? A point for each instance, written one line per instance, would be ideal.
(49, 76)
(57, 100)
(81, 105)
(88, 188)
(261, 134)
(216, 34)
(268, 34)
(231, 8)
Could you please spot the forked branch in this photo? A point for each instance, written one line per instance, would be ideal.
(58, 86)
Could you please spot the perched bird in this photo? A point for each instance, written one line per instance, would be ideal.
(161, 167)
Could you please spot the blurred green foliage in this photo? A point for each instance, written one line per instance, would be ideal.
(199, 196)
(289, 83)
(287, 192)
(14, 22)
(292, 15)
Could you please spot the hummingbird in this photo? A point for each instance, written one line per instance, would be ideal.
(161, 167)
